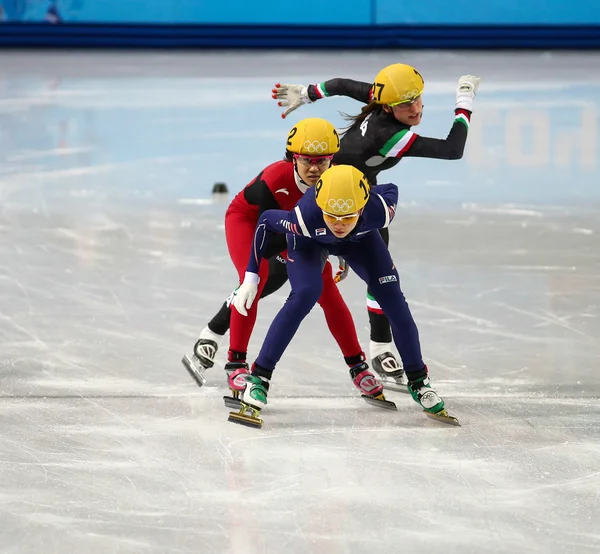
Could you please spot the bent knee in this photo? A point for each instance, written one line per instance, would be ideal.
(305, 296)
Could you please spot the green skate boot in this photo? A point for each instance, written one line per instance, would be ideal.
(253, 400)
(433, 405)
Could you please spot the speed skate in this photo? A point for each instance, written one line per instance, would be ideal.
(195, 369)
(394, 384)
(379, 401)
(389, 372)
(232, 402)
(444, 417)
(247, 415)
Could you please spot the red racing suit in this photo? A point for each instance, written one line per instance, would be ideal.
(277, 187)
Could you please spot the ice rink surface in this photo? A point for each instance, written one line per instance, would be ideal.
(114, 258)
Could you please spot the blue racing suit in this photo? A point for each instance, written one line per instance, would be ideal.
(310, 242)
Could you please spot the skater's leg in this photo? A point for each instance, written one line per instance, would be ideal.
(339, 319)
(304, 270)
(210, 338)
(239, 233)
(340, 323)
(277, 275)
(372, 262)
(383, 360)
(209, 341)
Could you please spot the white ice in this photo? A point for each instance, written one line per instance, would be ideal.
(114, 258)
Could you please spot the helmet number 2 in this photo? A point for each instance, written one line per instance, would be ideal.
(291, 135)
(377, 90)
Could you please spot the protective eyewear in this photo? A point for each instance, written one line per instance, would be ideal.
(320, 161)
(345, 219)
(406, 103)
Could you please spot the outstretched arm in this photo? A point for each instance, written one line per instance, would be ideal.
(292, 97)
(408, 143)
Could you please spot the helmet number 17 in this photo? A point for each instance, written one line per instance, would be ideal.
(377, 90)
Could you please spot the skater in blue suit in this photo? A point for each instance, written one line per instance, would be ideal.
(335, 217)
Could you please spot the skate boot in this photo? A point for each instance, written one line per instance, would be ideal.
(203, 357)
(433, 405)
(253, 400)
(236, 381)
(369, 386)
(390, 372)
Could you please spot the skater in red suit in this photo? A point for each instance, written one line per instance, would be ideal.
(310, 146)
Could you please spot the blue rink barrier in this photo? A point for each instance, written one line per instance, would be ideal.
(299, 36)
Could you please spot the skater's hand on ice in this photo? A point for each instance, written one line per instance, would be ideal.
(290, 96)
(244, 296)
(466, 91)
(343, 272)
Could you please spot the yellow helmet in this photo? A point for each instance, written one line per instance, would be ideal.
(396, 84)
(313, 137)
(342, 190)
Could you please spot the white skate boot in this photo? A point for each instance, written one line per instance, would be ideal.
(386, 366)
(203, 358)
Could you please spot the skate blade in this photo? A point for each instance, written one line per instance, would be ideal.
(395, 387)
(193, 371)
(380, 402)
(245, 419)
(444, 417)
(233, 403)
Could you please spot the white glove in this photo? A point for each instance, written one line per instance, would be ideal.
(245, 294)
(465, 92)
(292, 96)
(343, 272)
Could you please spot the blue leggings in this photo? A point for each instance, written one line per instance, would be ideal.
(370, 259)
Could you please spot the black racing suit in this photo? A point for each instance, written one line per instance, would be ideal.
(377, 144)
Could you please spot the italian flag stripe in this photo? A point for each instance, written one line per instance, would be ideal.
(464, 117)
(321, 90)
(398, 144)
(373, 306)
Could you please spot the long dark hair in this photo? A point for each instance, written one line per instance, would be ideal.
(357, 120)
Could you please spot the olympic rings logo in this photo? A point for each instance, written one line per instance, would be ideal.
(409, 95)
(340, 205)
(315, 147)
